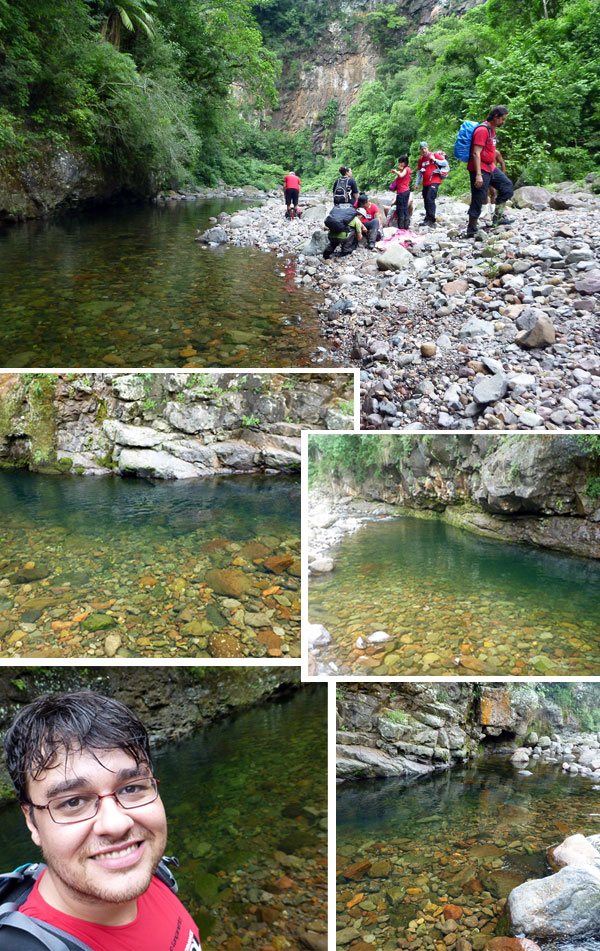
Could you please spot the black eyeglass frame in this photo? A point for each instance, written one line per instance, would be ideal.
(111, 795)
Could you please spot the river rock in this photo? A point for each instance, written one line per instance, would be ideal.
(124, 435)
(520, 757)
(395, 258)
(318, 636)
(531, 196)
(511, 944)
(153, 464)
(590, 284)
(216, 235)
(490, 389)
(240, 221)
(322, 566)
(574, 850)
(229, 582)
(535, 329)
(564, 905)
(316, 213)
(193, 417)
(317, 244)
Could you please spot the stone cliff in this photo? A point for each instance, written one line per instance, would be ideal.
(343, 59)
(412, 729)
(533, 489)
(168, 425)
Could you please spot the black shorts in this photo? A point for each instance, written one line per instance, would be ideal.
(291, 196)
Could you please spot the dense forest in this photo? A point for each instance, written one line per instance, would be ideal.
(167, 93)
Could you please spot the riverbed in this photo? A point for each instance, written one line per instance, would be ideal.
(465, 837)
(128, 286)
(246, 801)
(197, 567)
(454, 604)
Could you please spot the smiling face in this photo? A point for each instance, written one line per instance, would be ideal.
(99, 867)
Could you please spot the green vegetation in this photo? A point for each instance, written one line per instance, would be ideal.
(396, 716)
(540, 58)
(249, 422)
(362, 455)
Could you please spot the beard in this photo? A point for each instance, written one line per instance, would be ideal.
(89, 885)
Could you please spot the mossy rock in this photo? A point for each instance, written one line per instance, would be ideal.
(99, 622)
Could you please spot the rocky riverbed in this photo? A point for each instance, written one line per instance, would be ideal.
(497, 333)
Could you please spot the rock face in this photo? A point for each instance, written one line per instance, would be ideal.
(406, 729)
(479, 483)
(57, 180)
(167, 426)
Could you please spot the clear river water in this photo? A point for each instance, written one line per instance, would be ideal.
(246, 802)
(466, 836)
(457, 604)
(128, 286)
(82, 558)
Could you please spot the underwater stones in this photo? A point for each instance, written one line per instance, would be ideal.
(112, 643)
(276, 564)
(98, 622)
(28, 573)
(564, 905)
(254, 550)
(222, 644)
(229, 582)
(318, 636)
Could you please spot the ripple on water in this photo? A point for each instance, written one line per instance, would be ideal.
(456, 604)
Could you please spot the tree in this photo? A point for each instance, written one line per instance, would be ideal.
(130, 15)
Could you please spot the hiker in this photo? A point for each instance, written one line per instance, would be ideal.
(291, 190)
(401, 185)
(345, 189)
(345, 230)
(370, 217)
(484, 173)
(81, 766)
(432, 168)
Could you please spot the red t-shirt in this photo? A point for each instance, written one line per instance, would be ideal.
(484, 135)
(291, 181)
(429, 170)
(161, 924)
(368, 212)
(403, 184)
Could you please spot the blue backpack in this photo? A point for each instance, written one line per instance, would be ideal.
(23, 932)
(464, 140)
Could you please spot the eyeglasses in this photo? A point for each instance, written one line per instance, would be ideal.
(135, 794)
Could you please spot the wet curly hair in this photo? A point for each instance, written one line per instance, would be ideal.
(62, 723)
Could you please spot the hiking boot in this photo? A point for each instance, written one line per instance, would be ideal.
(472, 228)
(502, 220)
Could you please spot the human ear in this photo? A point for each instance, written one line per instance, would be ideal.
(31, 825)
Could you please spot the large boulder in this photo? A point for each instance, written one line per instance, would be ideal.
(574, 850)
(216, 235)
(317, 244)
(143, 437)
(395, 258)
(152, 464)
(315, 213)
(531, 196)
(565, 905)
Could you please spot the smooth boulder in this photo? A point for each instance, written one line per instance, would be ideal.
(564, 905)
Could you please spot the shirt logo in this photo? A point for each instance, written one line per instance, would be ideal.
(193, 943)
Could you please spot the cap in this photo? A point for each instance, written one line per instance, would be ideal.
(423, 145)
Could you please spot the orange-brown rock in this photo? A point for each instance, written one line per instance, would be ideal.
(452, 911)
(357, 870)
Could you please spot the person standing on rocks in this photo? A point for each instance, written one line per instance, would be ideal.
(484, 172)
(81, 766)
(291, 190)
(401, 185)
(431, 168)
(345, 189)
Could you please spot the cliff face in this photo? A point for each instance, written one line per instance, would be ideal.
(416, 728)
(167, 425)
(533, 489)
(341, 61)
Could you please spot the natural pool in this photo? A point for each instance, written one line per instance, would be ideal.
(466, 837)
(189, 568)
(128, 287)
(246, 801)
(456, 604)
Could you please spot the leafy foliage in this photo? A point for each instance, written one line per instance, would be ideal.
(362, 455)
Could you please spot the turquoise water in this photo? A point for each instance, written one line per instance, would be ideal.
(465, 836)
(237, 795)
(457, 604)
(129, 287)
(137, 553)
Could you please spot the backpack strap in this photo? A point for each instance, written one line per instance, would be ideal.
(164, 873)
(50, 938)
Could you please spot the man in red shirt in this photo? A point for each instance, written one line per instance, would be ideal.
(484, 172)
(82, 770)
(291, 189)
(369, 215)
(429, 173)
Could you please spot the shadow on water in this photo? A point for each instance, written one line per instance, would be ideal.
(485, 823)
(233, 795)
(128, 286)
(441, 584)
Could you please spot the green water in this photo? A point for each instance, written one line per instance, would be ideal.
(444, 594)
(466, 836)
(246, 801)
(137, 554)
(129, 287)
